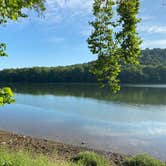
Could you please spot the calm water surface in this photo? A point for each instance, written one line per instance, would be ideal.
(133, 121)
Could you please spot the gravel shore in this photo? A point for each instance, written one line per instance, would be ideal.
(63, 151)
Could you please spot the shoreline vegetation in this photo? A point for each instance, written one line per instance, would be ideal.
(19, 150)
(151, 70)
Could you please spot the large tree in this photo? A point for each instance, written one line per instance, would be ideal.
(114, 38)
(13, 10)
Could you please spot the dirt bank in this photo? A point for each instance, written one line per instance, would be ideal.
(47, 147)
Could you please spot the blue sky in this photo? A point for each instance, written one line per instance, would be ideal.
(59, 38)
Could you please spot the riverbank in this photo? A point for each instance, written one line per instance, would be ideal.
(49, 148)
(25, 150)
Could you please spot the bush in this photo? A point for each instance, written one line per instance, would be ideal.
(143, 160)
(90, 159)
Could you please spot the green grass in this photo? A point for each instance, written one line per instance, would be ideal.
(90, 159)
(22, 158)
(143, 160)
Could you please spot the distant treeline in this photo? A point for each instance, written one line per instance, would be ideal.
(152, 69)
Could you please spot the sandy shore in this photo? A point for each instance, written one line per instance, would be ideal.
(63, 151)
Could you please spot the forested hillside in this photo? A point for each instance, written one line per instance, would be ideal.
(152, 69)
(153, 57)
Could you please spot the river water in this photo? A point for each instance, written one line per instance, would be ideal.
(133, 121)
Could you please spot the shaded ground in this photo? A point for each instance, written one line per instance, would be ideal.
(50, 148)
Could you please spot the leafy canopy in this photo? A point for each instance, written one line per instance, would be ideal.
(13, 10)
(114, 38)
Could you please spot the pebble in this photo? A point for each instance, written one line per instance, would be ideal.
(83, 143)
(3, 143)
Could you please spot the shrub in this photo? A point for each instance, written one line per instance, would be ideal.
(90, 159)
(143, 160)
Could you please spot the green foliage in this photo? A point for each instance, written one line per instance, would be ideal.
(114, 48)
(152, 70)
(143, 160)
(21, 158)
(74, 73)
(13, 10)
(2, 49)
(6, 96)
(90, 159)
(153, 57)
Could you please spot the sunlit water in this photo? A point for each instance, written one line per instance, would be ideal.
(133, 121)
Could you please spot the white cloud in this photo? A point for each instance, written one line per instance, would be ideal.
(71, 4)
(82, 7)
(59, 10)
(153, 29)
(154, 44)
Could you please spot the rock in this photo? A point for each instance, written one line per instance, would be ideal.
(3, 143)
(83, 143)
(10, 141)
(45, 140)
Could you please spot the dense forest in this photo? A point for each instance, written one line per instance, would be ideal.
(152, 69)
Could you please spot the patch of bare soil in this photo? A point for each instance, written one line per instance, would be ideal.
(63, 151)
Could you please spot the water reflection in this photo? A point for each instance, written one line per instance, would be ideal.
(145, 94)
(132, 121)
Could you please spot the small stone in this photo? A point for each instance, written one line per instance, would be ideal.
(10, 141)
(3, 143)
(83, 143)
(45, 140)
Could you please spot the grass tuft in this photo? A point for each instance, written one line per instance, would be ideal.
(90, 159)
(22, 158)
(143, 160)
